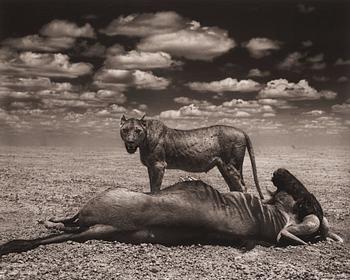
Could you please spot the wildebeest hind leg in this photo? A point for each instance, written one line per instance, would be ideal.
(99, 232)
(65, 220)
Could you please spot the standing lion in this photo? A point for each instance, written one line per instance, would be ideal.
(195, 150)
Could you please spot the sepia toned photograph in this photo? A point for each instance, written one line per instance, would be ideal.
(174, 139)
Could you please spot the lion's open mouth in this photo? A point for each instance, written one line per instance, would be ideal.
(131, 147)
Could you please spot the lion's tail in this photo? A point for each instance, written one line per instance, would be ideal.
(252, 160)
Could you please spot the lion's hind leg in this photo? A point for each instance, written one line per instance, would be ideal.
(307, 227)
(326, 233)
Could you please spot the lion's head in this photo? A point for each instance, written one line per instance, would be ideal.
(133, 133)
(286, 181)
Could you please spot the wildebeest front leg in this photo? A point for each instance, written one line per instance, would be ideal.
(156, 173)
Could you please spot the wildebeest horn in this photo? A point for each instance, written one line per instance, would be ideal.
(142, 118)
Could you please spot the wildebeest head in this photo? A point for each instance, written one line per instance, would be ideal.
(284, 200)
(133, 132)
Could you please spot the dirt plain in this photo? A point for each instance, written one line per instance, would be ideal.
(40, 182)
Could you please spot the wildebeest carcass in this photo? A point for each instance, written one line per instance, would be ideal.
(187, 212)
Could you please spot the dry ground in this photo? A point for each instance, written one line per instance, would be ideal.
(37, 183)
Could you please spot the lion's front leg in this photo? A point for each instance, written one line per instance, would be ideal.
(156, 173)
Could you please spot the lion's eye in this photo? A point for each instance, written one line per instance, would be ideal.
(125, 130)
(138, 131)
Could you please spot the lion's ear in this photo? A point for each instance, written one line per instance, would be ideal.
(123, 120)
(143, 121)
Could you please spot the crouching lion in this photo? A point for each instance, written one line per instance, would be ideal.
(195, 150)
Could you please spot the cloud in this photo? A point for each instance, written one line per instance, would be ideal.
(115, 96)
(46, 65)
(281, 104)
(6, 117)
(141, 25)
(171, 33)
(261, 47)
(140, 60)
(63, 28)
(314, 113)
(258, 73)
(95, 50)
(341, 61)
(307, 43)
(291, 62)
(318, 66)
(342, 79)
(41, 44)
(33, 84)
(316, 58)
(320, 78)
(60, 103)
(146, 80)
(227, 84)
(235, 108)
(201, 43)
(305, 9)
(341, 108)
(122, 79)
(328, 94)
(282, 89)
(187, 101)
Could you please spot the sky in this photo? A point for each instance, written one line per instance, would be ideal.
(71, 69)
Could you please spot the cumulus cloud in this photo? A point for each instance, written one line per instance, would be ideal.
(41, 44)
(261, 47)
(46, 65)
(314, 113)
(316, 58)
(115, 96)
(292, 61)
(305, 9)
(258, 73)
(140, 60)
(146, 80)
(236, 108)
(282, 89)
(199, 43)
(227, 84)
(61, 103)
(146, 24)
(341, 108)
(122, 79)
(342, 79)
(171, 33)
(318, 66)
(34, 84)
(95, 50)
(341, 61)
(187, 101)
(63, 28)
(307, 43)
(320, 78)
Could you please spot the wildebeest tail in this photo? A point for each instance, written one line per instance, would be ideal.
(252, 161)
